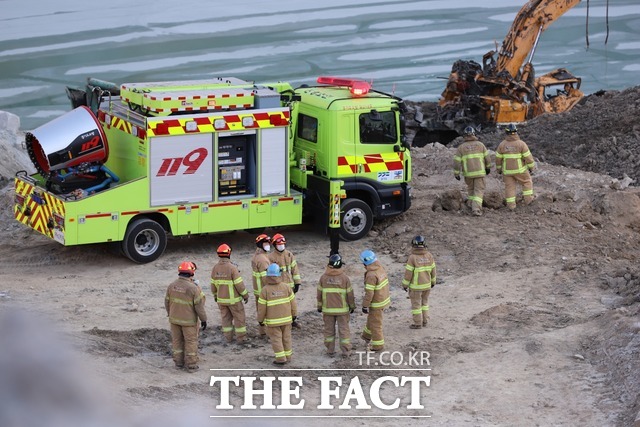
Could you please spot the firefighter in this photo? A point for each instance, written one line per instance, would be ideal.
(419, 278)
(184, 303)
(376, 299)
(288, 264)
(516, 165)
(472, 161)
(277, 310)
(229, 292)
(259, 264)
(336, 302)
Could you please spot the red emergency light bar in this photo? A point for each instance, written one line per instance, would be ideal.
(356, 87)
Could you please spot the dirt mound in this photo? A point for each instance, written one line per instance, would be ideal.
(509, 316)
(130, 343)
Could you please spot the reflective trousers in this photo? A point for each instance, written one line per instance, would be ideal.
(184, 345)
(372, 332)
(233, 318)
(475, 192)
(344, 333)
(510, 188)
(280, 337)
(420, 306)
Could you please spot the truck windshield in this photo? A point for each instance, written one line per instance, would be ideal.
(378, 127)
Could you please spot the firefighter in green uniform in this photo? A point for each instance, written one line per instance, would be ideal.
(276, 311)
(184, 302)
(516, 165)
(472, 161)
(336, 302)
(376, 299)
(419, 278)
(229, 292)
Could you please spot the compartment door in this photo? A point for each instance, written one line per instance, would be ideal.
(181, 169)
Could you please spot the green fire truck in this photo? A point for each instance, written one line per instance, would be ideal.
(139, 162)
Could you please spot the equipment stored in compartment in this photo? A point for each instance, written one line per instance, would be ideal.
(232, 164)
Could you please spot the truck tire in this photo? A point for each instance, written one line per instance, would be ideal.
(144, 241)
(356, 219)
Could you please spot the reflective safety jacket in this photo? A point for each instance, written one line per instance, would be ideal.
(184, 302)
(376, 287)
(471, 158)
(276, 305)
(513, 156)
(334, 292)
(226, 283)
(288, 266)
(259, 264)
(420, 270)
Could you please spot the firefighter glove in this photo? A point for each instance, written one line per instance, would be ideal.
(203, 325)
(457, 177)
(319, 309)
(365, 310)
(499, 171)
(405, 289)
(261, 323)
(296, 287)
(487, 171)
(531, 171)
(246, 300)
(351, 310)
(294, 318)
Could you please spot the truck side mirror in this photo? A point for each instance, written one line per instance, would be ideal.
(404, 145)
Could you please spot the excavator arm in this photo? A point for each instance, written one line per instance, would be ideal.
(505, 89)
(522, 39)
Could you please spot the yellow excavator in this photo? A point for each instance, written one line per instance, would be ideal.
(505, 89)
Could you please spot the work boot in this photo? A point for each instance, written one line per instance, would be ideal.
(279, 362)
(192, 368)
(413, 326)
(476, 213)
(295, 324)
(179, 366)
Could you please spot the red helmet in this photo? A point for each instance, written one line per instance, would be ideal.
(262, 239)
(224, 250)
(278, 239)
(187, 267)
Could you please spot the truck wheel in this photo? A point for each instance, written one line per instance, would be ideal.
(144, 241)
(356, 219)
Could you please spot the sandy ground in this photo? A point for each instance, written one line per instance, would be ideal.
(534, 320)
